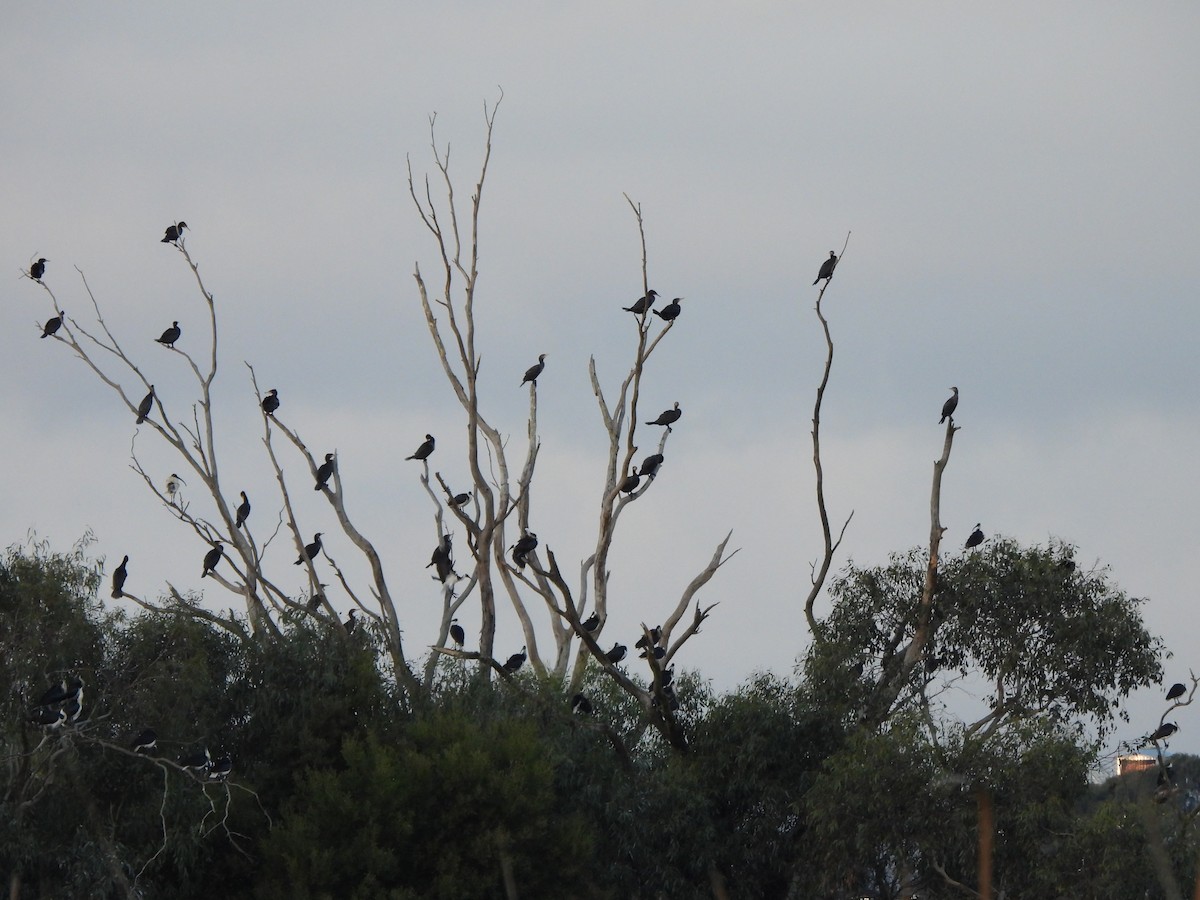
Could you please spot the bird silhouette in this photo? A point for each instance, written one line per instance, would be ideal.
(514, 662)
(650, 465)
(1164, 731)
(976, 537)
(631, 482)
(523, 547)
(118, 579)
(456, 633)
(52, 325)
(351, 623)
(324, 472)
(424, 451)
(581, 705)
(949, 406)
(174, 232)
(145, 742)
(212, 557)
(38, 269)
(670, 312)
(1177, 690)
(145, 406)
(827, 268)
(591, 623)
(441, 559)
(310, 550)
(617, 653)
(642, 304)
(243, 511)
(459, 499)
(668, 417)
(270, 403)
(170, 336)
(532, 373)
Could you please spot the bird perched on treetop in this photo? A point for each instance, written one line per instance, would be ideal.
(1164, 730)
(270, 403)
(827, 268)
(643, 304)
(670, 312)
(976, 537)
(949, 406)
(174, 232)
(617, 653)
(170, 336)
(631, 482)
(650, 465)
(38, 269)
(532, 373)
(668, 417)
(424, 451)
(324, 472)
(118, 579)
(52, 325)
(212, 557)
(145, 406)
(243, 511)
(351, 623)
(514, 662)
(1177, 690)
(441, 559)
(310, 550)
(173, 484)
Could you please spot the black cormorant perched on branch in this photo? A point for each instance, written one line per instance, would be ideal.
(441, 560)
(456, 633)
(668, 417)
(170, 336)
(514, 662)
(212, 557)
(146, 741)
(591, 623)
(525, 545)
(310, 550)
(145, 406)
(424, 451)
(617, 653)
(243, 511)
(827, 268)
(670, 312)
(655, 637)
(949, 406)
(351, 623)
(56, 693)
(532, 373)
(631, 482)
(581, 705)
(38, 269)
(1177, 690)
(1163, 731)
(642, 304)
(976, 537)
(52, 325)
(174, 232)
(324, 472)
(270, 403)
(650, 465)
(118, 579)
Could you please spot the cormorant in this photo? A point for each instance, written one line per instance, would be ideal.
(948, 407)
(655, 637)
(198, 760)
(310, 550)
(270, 403)
(1164, 730)
(170, 336)
(523, 547)
(444, 565)
(174, 232)
(48, 718)
(1177, 690)
(145, 742)
(324, 472)
(351, 623)
(532, 373)
(243, 511)
(670, 312)
(650, 465)
(212, 557)
(659, 652)
(425, 449)
(581, 705)
(976, 537)
(459, 499)
(221, 768)
(827, 268)
(38, 269)
(632, 480)
(456, 633)
(591, 623)
(118, 580)
(317, 598)
(514, 662)
(145, 406)
(173, 483)
(617, 653)
(642, 304)
(56, 693)
(52, 325)
(668, 417)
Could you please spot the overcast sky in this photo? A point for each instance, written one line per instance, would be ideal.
(1020, 183)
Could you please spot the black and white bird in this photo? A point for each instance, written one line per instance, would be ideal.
(424, 451)
(949, 406)
(642, 304)
(145, 742)
(173, 484)
(73, 709)
(650, 465)
(581, 705)
(1177, 690)
(270, 403)
(456, 633)
(631, 482)
(459, 499)
(532, 373)
(652, 641)
(591, 623)
(976, 537)
(145, 406)
(212, 557)
(174, 232)
(1165, 730)
(310, 550)
(525, 545)
(196, 761)
(514, 662)
(242, 512)
(352, 622)
(670, 312)
(827, 268)
(54, 694)
(118, 580)
(668, 417)
(220, 768)
(441, 559)
(38, 269)
(617, 653)
(52, 325)
(48, 718)
(170, 336)
(324, 472)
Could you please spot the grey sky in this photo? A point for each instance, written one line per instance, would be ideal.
(1021, 185)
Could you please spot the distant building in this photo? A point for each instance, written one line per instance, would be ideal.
(1135, 762)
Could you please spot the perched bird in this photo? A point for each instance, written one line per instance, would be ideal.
(54, 694)
(631, 482)
(948, 407)
(670, 312)
(220, 768)
(655, 637)
(75, 691)
(425, 449)
(48, 718)
(317, 598)
(581, 705)
(643, 304)
(532, 373)
(73, 709)
(145, 406)
(459, 499)
(668, 417)
(118, 580)
(441, 559)
(827, 268)
(243, 511)
(351, 623)
(170, 336)
(145, 742)
(976, 537)
(212, 557)
(514, 662)
(174, 232)
(1164, 730)
(310, 550)
(659, 652)
(525, 545)
(270, 403)
(650, 465)
(456, 633)
(1177, 690)
(617, 653)
(591, 623)
(198, 760)
(38, 269)
(666, 676)
(52, 325)
(324, 472)
(173, 483)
